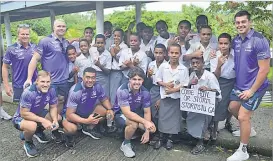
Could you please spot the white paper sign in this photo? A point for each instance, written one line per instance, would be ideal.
(194, 100)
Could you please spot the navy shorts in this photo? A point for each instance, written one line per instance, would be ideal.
(61, 89)
(17, 92)
(252, 103)
(120, 119)
(17, 120)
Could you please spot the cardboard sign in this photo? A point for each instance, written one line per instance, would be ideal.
(194, 100)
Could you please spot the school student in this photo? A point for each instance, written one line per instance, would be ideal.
(116, 73)
(222, 67)
(197, 124)
(133, 57)
(73, 70)
(101, 59)
(170, 77)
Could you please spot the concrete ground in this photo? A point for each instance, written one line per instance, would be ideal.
(107, 148)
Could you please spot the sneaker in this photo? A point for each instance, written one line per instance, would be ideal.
(57, 136)
(30, 149)
(41, 137)
(69, 141)
(21, 135)
(4, 115)
(91, 132)
(252, 133)
(239, 155)
(127, 150)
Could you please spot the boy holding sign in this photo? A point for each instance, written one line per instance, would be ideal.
(170, 77)
(203, 80)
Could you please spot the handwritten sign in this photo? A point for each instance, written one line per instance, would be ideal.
(194, 100)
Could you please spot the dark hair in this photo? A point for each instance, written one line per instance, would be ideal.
(243, 13)
(185, 22)
(140, 25)
(135, 34)
(85, 40)
(136, 71)
(100, 36)
(205, 27)
(107, 23)
(201, 17)
(224, 35)
(120, 30)
(70, 47)
(149, 28)
(161, 22)
(174, 45)
(89, 28)
(89, 70)
(161, 46)
(199, 58)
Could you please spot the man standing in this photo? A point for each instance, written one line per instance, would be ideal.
(252, 58)
(18, 56)
(52, 52)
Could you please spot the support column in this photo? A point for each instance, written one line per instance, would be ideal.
(138, 12)
(7, 29)
(99, 17)
(52, 18)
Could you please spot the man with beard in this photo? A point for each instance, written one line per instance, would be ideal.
(82, 108)
(133, 57)
(132, 109)
(252, 59)
(87, 34)
(203, 48)
(164, 35)
(31, 117)
(101, 62)
(51, 52)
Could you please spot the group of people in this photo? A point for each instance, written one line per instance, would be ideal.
(134, 80)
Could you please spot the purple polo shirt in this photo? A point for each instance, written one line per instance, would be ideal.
(137, 102)
(54, 58)
(84, 99)
(35, 100)
(19, 57)
(247, 52)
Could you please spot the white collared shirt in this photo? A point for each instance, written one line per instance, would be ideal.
(166, 74)
(115, 63)
(196, 38)
(149, 46)
(209, 80)
(206, 52)
(127, 54)
(227, 69)
(105, 58)
(83, 62)
(108, 42)
(161, 40)
(154, 67)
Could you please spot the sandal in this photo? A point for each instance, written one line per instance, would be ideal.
(198, 149)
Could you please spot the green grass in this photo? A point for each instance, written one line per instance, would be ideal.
(269, 76)
(266, 105)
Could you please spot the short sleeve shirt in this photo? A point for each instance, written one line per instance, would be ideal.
(83, 62)
(105, 58)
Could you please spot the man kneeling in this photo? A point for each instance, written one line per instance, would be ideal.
(84, 109)
(31, 116)
(132, 109)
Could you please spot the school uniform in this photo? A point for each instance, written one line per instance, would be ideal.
(127, 54)
(83, 62)
(116, 73)
(197, 124)
(149, 47)
(161, 40)
(226, 82)
(169, 120)
(155, 90)
(70, 80)
(105, 59)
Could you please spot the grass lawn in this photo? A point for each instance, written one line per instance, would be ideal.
(266, 105)
(269, 76)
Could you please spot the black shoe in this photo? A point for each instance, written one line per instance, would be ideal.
(169, 144)
(69, 141)
(93, 133)
(30, 149)
(57, 136)
(198, 149)
(41, 137)
(158, 144)
(229, 127)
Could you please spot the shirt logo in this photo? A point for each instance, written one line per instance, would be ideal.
(94, 94)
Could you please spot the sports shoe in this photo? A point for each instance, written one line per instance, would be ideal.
(127, 150)
(239, 155)
(252, 133)
(57, 136)
(69, 141)
(30, 149)
(21, 135)
(41, 137)
(91, 132)
(4, 115)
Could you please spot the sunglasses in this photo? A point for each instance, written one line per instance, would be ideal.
(23, 25)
